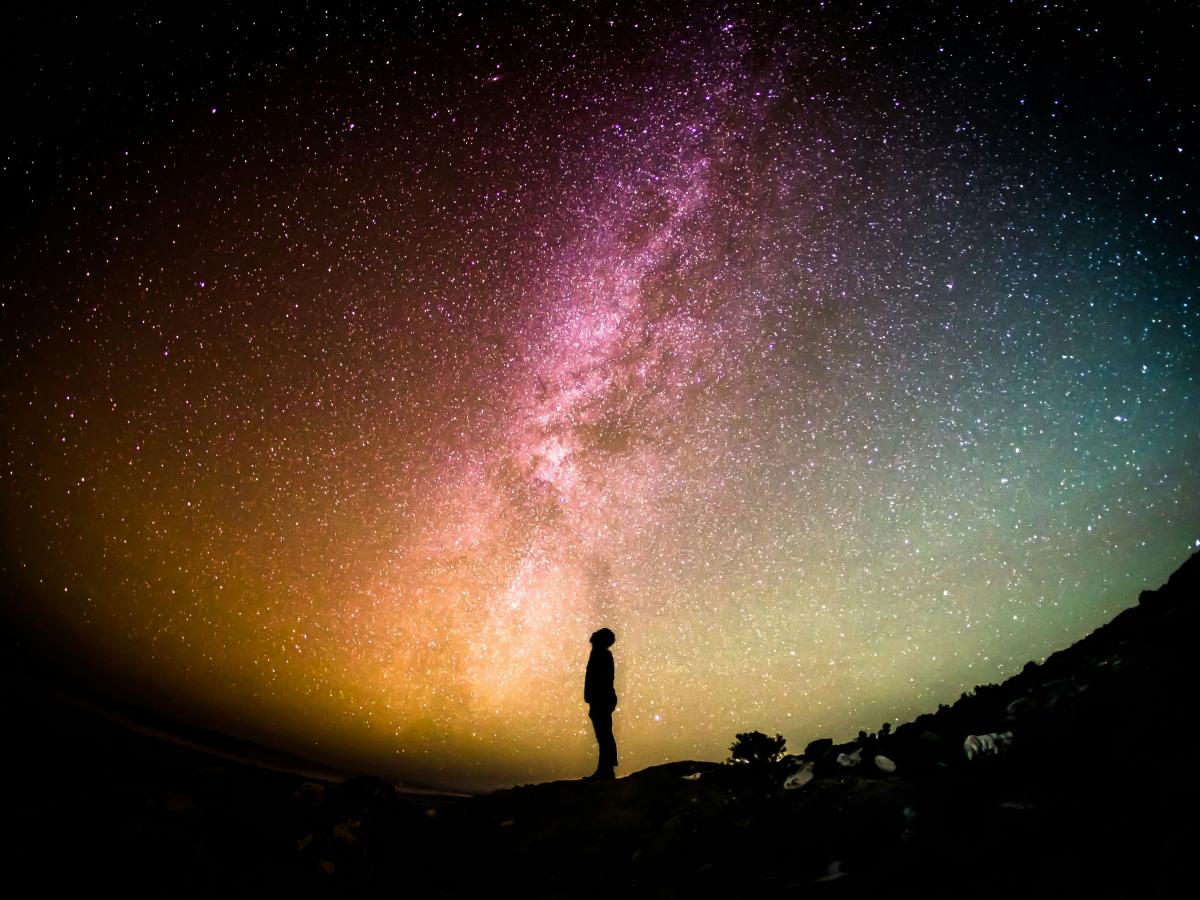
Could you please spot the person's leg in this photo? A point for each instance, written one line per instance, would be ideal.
(602, 725)
(608, 749)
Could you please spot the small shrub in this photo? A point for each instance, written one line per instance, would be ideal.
(756, 749)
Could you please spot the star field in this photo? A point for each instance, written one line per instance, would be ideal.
(358, 367)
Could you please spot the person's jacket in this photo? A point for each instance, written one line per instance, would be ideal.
(598, 683)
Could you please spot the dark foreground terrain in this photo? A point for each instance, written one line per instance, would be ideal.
(1094, 793)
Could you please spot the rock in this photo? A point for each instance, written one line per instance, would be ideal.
(799, 778)
(1019, 707)
(832, 872)
(849, 760)
(818, 748)
(981, 745)
(921, 750)
(1016, 805)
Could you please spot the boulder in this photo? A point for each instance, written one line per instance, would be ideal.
(818, 748)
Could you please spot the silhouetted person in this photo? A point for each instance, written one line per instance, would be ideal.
(601, 697)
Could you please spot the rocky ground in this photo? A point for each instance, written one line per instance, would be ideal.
(1081, 782)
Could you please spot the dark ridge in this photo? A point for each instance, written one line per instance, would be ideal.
(1079, 783)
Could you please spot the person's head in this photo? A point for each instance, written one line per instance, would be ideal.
(603, 638)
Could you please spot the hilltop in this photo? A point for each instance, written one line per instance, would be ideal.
(1077, 780)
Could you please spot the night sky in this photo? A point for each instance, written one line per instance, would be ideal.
(356, 367)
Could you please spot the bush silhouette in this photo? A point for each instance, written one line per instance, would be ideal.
(756, 749)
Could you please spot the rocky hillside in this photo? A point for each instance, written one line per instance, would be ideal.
(1072, 777)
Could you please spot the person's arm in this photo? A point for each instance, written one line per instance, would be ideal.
(589, 679)
(610, 678)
